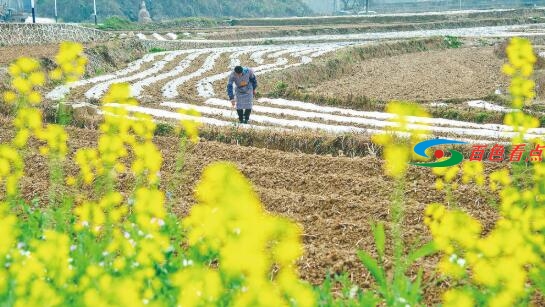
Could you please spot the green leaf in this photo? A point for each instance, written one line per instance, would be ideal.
(415, 293)
(372, 266)
(424, 251)
(368, 299)
(380, 238)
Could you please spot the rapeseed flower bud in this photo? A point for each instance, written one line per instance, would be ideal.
(89, 164)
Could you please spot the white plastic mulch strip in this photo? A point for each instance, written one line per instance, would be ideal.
(61, 91)
(480, 104)
(178, 70)
(279, 122)
(151, 75)
(98, 90)
(158, 37)
(205, 87)
(495, 31)
(172, 36)
(158, 113)
(281, 52)
(170, 90)
(141, 36)
(231, 114)
(257, 57)
(379, 119)
(373, 114)
(375, 123)
(235, 56)
(304, 59)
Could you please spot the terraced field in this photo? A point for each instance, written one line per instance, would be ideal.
(195, 79)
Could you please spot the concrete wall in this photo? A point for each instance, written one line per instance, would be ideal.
(30, 34)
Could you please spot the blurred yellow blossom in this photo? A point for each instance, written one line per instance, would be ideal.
(473, 171)
(190, 124)
(119, 93)
(56, 138)
(70, 63)
(458, 298)
(404, 124)
(520, 68)
(224, 222)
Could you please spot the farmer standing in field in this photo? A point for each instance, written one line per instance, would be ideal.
(246, 85)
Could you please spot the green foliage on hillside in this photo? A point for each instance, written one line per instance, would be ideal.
(82, 10)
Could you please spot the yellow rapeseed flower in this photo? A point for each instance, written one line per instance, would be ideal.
(119, 93)
(398, 151)
(224, 223)
(56, 138)
(522, 88)
(37, 78)
(473, 171)
(190, 124)
(458, 298)
(10, 97)
(11, 168)
(70, 63)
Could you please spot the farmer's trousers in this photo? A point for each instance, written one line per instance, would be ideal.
(244, 115)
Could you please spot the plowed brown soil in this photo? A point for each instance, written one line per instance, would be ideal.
(335, 199)
(9, 54)
(464, 73)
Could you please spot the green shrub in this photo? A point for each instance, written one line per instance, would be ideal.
(157, 49)
(453, 41)
(116, 23)
(481, 117)
(164, 129)
(280, 89)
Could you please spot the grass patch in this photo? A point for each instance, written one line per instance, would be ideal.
(310, 142)
(453, 42)
(481, 117)
(156, 50)
(116, 23)
(279, 89)
(164, 129)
